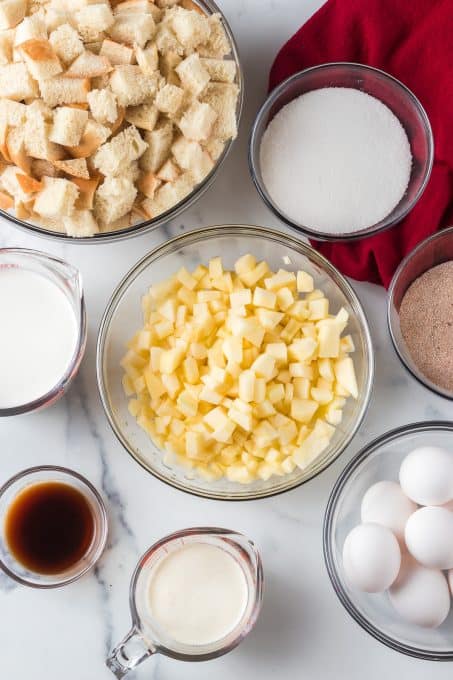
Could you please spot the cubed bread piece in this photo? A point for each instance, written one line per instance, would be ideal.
(37, 136)
(6, 201)
(166, 40)
(113, 199)
(220, 70)
(29, 184)
(192, 74)
(11, 13)
(55, 18)
(133, 7)
(147, 59)
(103, 105)
(93, 137)
(159, 142)
(131, 86)
(214, 147)
(143, 116)
(76, 167)
(41, 60)
(89, 65)
(217, 45)
(41, 168)
(169, 99)
(32, 27)
(13, 112)
(133, 29)
(100, 82)
(17, 152)
(4, 155)
(61, 90)
(187, 153)
(191, 28)
(168, 172)
(169, 195)
(11, 185)
(222, 97)
(131, 171)
(87, 189)
(57, 197)
(38, 107)
(116, 53)
(93, 20)
(201, 167)
(68, 125)
(126, 147)
(80, 223)
(6, 47)
(66, 43)
(197, 121)
(168, 62)
(16, 82)
(148, 184)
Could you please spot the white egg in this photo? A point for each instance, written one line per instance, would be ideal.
(385, 503)
(420, 595)
(426, 475)
(371, 557)
(429, 537)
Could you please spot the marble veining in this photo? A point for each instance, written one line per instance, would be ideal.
(303, 631)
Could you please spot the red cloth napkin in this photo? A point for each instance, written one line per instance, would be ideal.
(413, 41)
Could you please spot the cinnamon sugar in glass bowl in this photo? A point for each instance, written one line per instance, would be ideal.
(433, 251)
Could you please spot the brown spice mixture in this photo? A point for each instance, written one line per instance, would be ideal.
(426, 319)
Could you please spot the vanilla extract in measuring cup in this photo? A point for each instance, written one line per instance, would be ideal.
(49, 527)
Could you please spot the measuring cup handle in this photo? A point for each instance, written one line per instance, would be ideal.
(131, 651)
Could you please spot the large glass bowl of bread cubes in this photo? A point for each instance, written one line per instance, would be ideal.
(114, 116)
(238, 288)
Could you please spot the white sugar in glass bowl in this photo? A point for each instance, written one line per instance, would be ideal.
(391, 92)
(379, 460)
(123, 317)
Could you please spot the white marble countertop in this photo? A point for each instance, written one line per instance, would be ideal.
(303, 630)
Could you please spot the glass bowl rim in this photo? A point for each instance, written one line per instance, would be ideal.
(233, 230)
(254, 142)
(147, 226)
(79, 351)
(396, 345)
(334, 496)
(102, 514)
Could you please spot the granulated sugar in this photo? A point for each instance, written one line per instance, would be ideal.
(426, 321)
(336, 160)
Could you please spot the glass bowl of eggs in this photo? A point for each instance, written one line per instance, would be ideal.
(212, 384)
(388, 539)
(317, 157)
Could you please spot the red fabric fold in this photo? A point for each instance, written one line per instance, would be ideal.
(411, 40)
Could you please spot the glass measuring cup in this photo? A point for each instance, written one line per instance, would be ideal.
(68, 279)
(146, 637)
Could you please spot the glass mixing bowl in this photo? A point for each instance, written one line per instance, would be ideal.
(381, 460)
(140, 227)
(432, 251)
(376, 83)
(123, 317)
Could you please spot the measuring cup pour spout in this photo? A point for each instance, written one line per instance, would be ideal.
(131, 651)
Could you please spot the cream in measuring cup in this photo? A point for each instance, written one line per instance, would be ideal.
(194, 595)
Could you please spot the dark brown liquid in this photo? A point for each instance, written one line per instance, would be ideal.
(49, 527)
